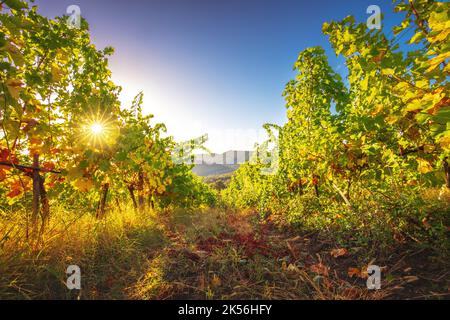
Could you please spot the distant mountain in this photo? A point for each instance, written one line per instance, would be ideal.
(206, 170)
(217, 164)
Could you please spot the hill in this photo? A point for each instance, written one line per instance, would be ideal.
(218, 164)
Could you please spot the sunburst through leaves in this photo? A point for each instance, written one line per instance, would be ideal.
(98, 132)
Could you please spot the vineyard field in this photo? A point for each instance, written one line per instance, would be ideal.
(357, 179)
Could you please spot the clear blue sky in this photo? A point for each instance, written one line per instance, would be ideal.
(212, 66)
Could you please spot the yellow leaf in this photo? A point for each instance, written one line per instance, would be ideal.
(365, 83)
(161, 189)
(424, 166)
(387, 71)
(330, 175)
(293, 268)
(447, 68)
(391, 119)
(440, 36)
(14, 87)
(153, 184)
(414, 105)
(84, 184)
(436, 61)
(377, 110)
(15, 54)
(445, 142)
(416, 38)
(429, 148)
(57, 73)
(62, 55)
(423, 84)
(74, 173)
(361, 162)
(439, 19)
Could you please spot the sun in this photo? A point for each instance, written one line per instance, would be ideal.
(97, 128)
(98, 132)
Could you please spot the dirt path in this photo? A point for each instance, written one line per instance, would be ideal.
(218, 255)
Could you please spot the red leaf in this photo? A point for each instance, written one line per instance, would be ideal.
(16, 189)
(2, 174)
(55, 151)
(35, 141)
(14, 193)
(353, 272)
(49, 166)
(30, 125)
(4, 154)
(357, 273)
(320, 268)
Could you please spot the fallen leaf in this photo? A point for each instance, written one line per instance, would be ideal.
(320, 268)
(339, 252)
(355, 272)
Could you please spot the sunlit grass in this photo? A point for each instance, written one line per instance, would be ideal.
(110, 253)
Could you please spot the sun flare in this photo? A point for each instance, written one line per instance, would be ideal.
(97, 128)
(98, 132)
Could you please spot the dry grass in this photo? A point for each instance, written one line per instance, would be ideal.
(110, 253)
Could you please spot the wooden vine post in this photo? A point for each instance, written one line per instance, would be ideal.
(36, 190)
(133, 198)
(141, 201)
(40, 203)
(102, 204)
